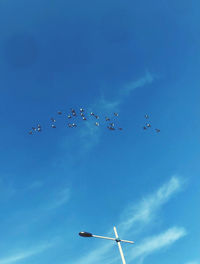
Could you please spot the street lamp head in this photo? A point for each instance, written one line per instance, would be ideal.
(85, 234)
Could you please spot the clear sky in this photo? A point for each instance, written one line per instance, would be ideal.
(131, 57)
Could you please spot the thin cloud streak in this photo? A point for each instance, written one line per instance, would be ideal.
(89, 135)
(25, 254)
(152, 244)
(148, 78)
(192, 262)
(143, 213)
(60, 199)
(147, 208)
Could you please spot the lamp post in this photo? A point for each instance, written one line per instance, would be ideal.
(116, 239)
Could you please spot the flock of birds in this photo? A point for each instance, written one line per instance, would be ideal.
(148, 125)
(72, 116)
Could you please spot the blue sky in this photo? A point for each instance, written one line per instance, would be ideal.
(133, 57)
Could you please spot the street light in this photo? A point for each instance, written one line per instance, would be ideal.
(116, 239)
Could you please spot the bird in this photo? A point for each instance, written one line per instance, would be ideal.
(110, 128)
(157, 130)
(59, 113)
(107, 118)
(116, 114)
(53, 126)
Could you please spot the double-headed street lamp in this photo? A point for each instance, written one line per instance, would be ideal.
(116, 239)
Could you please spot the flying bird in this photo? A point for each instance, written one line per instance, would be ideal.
(110, 128)
(81, 111)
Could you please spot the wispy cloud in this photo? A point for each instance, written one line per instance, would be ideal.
(7, 189)
(141, 215)
(124, 92)
(152, 244)
(36, 185)
(60, 198)
(145, 211)
(90, 135)
(148, 78)
(25, 254)
(193, 262)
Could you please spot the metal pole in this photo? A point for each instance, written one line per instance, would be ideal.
(87, 234)
(119, 246)
(109, 238)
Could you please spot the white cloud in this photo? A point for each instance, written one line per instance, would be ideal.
(108, 106)
(90, 134)
(124, 92)
(36, 185)
(192, 262)
(146, 209)
(143, 213)
(61, 198)
(148, 78)
(25, 254)
(152, 244)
